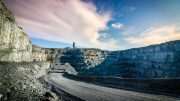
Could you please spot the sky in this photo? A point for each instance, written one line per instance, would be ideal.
(104, 24)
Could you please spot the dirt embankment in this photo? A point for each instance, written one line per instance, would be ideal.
(19, 82)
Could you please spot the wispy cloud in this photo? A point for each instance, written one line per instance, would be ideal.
(63, 21)
(105, 35)
(117, 25)
(155, 36)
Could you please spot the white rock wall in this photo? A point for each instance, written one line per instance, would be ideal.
(38, 54)
(12, 38)
(15, 45)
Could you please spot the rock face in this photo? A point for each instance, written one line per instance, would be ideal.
(38, 54)
(13, 39)
(156, 61)
(52, 53)
(82, 58)
(14, 44)
(21, 69)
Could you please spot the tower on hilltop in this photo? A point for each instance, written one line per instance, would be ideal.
(74, 45)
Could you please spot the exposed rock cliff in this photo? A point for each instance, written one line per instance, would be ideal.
(82, 58)
(154, 61)
(15, 44)
(52, 53)
(19, 80)
(38, 53)
(162, 60)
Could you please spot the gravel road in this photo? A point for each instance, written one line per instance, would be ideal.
(91, 92)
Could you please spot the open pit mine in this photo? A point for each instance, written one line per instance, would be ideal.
(32, 73)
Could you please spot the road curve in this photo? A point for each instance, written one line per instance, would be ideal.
(91, 92)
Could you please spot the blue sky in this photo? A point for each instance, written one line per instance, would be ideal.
(105, 24)
(139, 15)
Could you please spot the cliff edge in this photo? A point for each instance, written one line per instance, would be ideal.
(21, 63)
(15, 45)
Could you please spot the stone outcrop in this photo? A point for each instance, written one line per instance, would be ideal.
(82, 58)
(38, 53)
(155, 61)
(14, 43)
(52, 53)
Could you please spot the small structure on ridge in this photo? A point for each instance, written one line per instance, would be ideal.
(74, 45)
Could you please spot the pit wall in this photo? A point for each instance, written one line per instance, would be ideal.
(15, 45)
(38, 53)
(156, 61)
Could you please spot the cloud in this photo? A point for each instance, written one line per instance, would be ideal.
(105, 35)
(117, 25)
(62, 21)
(155, 36)
(127, 31)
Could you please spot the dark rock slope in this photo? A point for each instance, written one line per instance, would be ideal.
(154, 61)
